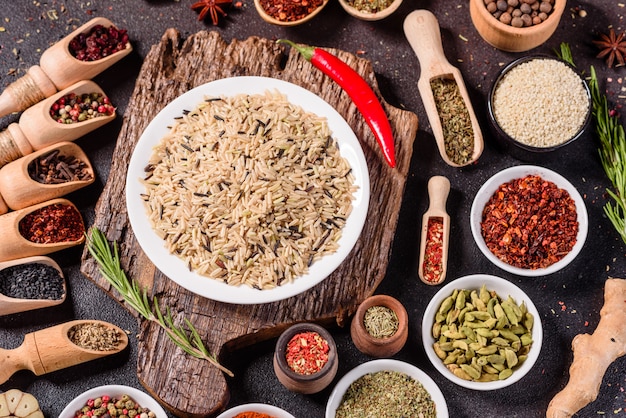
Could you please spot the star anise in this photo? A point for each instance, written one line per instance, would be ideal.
(213, 8)
(612, 47)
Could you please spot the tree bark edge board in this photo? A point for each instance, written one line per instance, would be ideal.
(193, 388)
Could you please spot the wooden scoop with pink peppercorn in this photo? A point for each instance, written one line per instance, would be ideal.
(57, 70)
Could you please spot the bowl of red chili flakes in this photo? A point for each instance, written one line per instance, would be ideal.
(529, 220)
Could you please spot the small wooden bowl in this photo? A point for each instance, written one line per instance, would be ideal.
(300, 383)
(9, 305)
(269, 19)
(511, 39)
(19, 190)
(64, 69)
(352, 11)
(42, 131)
(16, 246)
(379, 347)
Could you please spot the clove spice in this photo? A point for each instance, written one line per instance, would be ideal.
(56, 168)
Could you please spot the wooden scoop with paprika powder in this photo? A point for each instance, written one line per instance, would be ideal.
(435, 238)
(450, 113)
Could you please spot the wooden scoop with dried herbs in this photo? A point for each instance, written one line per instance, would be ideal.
(108, 260)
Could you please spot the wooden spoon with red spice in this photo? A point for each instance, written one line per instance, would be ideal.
(435, 239)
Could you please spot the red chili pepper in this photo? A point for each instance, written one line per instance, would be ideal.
(359, 91)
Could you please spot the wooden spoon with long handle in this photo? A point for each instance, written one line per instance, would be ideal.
(438, 190)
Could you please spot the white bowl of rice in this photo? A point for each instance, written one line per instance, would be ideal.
(247, 190)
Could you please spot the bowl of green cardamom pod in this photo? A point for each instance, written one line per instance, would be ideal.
(482, 332)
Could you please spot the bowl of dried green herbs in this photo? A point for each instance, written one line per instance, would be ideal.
(386, 388)
(370, 10)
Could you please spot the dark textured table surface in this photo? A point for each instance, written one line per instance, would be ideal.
(568, 301)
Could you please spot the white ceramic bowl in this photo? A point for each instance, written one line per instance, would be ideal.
(117, 391)
(176, 268)
(381, 365)
(274, 411)
(488, 189)
(503, 288)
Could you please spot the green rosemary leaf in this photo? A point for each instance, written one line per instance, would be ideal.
(110, 267)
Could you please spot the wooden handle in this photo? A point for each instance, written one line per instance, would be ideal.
(24, 357)
(421, 29)
(438, 190)
(27, 90)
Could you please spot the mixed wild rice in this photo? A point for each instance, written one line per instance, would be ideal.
(249, 189)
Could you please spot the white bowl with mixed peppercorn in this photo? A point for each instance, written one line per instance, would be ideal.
(482, 332)
(529, 220)
(113, 396)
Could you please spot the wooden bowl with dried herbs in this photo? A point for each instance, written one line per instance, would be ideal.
(370, 10)
(380, 326)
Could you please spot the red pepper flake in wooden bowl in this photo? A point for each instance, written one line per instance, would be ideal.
(433, 254)
(52, 224)
(530, 223)
(290, 10)
(307, 353)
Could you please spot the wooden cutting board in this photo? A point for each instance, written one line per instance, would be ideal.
(193, 388)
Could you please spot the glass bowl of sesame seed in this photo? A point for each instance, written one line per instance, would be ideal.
(537, 105)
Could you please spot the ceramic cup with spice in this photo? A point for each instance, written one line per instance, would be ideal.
(305, 359)
(380, 326)
(288, 12)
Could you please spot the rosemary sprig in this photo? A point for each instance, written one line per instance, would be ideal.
(110, 267)
(612, 147)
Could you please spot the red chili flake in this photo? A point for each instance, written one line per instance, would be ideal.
(307, 353)
(290, 10)
(530, 223)
(433, 254)
(51, 224)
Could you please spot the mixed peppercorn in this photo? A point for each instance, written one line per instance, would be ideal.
(73, 108)
(107, 407)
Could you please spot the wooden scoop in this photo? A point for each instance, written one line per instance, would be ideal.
(19, 190)
(36, 129)
(422, 31)
(10, 305)
(58, 70)
(438, 189)
(15, 246)
(51, 349)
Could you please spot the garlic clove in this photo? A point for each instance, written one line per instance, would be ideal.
(27, 405)
(4, 406)
(16, 404)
